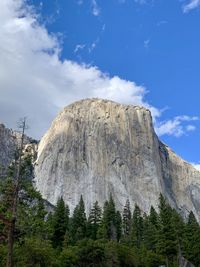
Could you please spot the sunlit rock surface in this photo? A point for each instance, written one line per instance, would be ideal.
(96, 147)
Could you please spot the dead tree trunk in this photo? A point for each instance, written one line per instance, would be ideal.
(16, 182)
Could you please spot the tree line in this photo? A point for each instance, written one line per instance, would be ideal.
(106, 237)
(33, 234)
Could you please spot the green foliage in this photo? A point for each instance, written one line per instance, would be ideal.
(126, 220)
(79, 222)
(31, 213)
(167, 244)
(35, 252)
(150, 230)
(60, 223)
(104, 240)
(149, 258)
(3, 253)
(128, 256)
(111, 255)
(69, 257)
(110, 225)
(91, 253)
(137, 227)
(192, 240)
(118, 223)
(94, 221)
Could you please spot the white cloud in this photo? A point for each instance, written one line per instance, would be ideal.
(175, 126)
(197, 166)
(95, 8)
(80, 2)
(190, 128)
(103, 28)
(146, 43)
(93, 45)
(34, 82)
(79, 47)
(162, 22)
(191, 5)
(142, 2)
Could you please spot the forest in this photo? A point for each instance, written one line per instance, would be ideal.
(49, 236)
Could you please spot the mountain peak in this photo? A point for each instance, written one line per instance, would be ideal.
(97, 147)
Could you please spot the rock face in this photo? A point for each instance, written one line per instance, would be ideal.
(9, 142)
(97, 147)
(8, 145)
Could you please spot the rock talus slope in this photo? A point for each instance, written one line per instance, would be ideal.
(98, 147)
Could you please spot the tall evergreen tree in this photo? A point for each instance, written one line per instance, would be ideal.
(94, 220)
(167, 239)
(192, 240)
(151, 230)
(153, 217)
(127, 220)
(109, 220)
(137, 227)
(60, 223)
(118, 224)
(79, 221)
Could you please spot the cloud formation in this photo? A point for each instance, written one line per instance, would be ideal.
(197, 166)
(146, 43)
(95, 8)
(191, 5)
(36, 83)
(79, 47)
(177, 126)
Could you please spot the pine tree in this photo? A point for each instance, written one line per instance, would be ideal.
(118, 224)
(109, 220)
(127, 220)
(137, 227)
(94, 220)
(179, 226)
(167, 241)
(151, 230)
(60, 223)
(192, 240)
(79, 221)
(153, 217)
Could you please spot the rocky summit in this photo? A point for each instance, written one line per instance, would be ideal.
(97, 147)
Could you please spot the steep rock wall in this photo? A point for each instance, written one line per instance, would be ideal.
(97, 147)
(8, 144)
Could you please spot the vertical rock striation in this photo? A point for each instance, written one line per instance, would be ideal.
(8, 144)
(98, 147)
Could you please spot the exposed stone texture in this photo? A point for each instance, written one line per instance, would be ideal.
(97, 147)
(9, 142)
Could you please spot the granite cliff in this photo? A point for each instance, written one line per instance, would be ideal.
(9, 143)
(96, 147)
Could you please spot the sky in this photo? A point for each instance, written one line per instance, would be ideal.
(140, 52)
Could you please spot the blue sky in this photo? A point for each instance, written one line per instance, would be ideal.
(131, 51)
